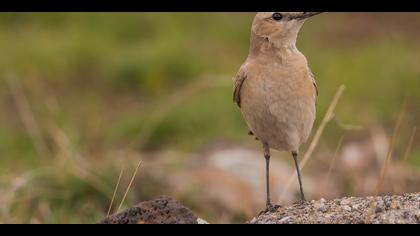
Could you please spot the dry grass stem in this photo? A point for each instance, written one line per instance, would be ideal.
(410, 144)
(340, 141)
(73, 162)
(386, 162)
(129, 186)
(115, 192)
(27, 116)
(390, 149)
(347, 126)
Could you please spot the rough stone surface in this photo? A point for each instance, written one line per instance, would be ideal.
(397, 209)
(162, 210)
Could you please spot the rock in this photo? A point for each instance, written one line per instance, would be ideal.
(397, 209)
(202, 222)
(162, 210)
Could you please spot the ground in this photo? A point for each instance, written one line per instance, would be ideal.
(396, 209)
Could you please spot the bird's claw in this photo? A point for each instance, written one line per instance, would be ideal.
(270, 208)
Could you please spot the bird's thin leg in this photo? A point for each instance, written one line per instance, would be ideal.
(267, 175)
(294, 154)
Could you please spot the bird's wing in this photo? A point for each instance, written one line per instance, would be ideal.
(311, 75)
(315, 86)
(238, 81)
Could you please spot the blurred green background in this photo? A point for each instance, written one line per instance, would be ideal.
(83, 95)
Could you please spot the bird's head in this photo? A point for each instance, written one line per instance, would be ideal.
(279, 27)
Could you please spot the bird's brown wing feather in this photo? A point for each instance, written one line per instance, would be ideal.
(313, 82)
(316, 87)
(238, 81)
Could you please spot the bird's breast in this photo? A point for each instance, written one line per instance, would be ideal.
(278, 103)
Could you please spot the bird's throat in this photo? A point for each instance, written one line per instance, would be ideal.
(275, 48)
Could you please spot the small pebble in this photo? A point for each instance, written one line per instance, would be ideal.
(284, 219)
(344, 202)
(347, 208)
(320, 207)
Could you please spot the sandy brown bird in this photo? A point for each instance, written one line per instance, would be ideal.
(274, 87)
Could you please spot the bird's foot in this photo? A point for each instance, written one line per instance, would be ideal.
(270, 208)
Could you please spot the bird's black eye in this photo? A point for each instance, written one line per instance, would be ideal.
(277, 16)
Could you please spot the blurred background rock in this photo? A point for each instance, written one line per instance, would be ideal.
(83, 95)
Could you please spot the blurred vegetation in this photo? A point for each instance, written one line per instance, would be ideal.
(98, 82)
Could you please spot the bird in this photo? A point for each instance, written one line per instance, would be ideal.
(275, 89)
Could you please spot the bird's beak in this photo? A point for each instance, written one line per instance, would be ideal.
(306, 15)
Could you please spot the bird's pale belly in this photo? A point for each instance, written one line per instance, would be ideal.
(277, 113)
